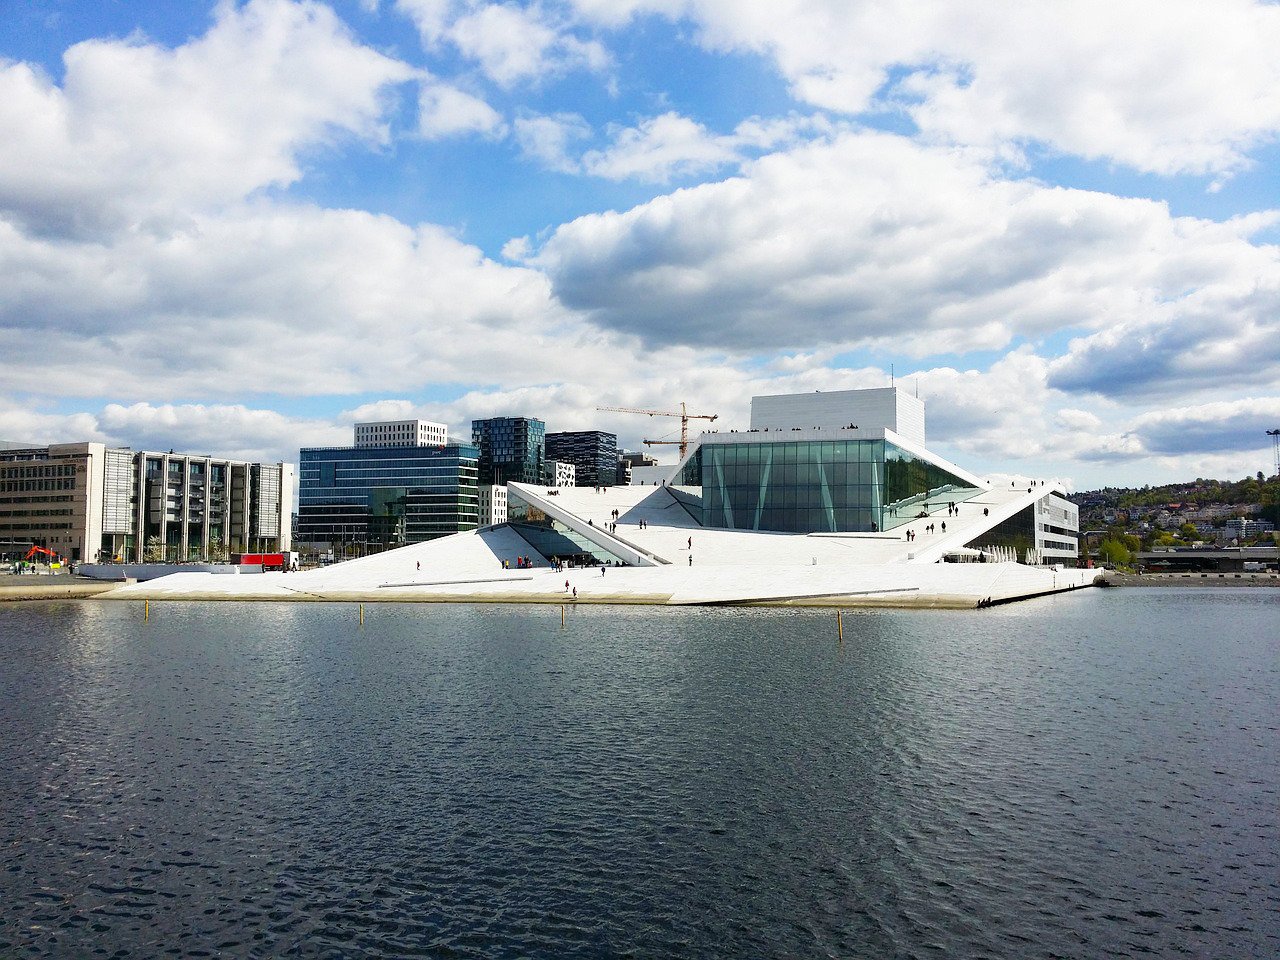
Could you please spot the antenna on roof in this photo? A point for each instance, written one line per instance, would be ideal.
(917, 388)
(891, 381)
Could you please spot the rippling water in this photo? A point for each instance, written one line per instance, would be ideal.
(1091, 775)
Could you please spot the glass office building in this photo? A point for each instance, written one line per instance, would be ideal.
(386, 496)
(511, 449)
(593, 453)
(808, 486)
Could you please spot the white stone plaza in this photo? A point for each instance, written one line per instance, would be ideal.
(882, 522)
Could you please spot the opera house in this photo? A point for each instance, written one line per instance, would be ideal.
(828, 498)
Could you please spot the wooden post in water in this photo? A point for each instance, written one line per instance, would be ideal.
(562, 616)
(362, 614)
(146, 610)
(839, 627)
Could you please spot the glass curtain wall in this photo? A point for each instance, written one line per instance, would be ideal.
(807, 486)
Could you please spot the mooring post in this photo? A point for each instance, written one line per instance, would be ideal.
(146, 610)
(562, 616)
(839, 627)
(362, 614)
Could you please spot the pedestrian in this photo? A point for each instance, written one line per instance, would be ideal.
(419, 564)
(566, 586)
(691, 559)
(944, 526)
(602, 569)
(691, 543)
(575, 593)
(986, 512)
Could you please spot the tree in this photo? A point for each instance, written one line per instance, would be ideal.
(1115, 553)
(1188, 532)
(153, 552)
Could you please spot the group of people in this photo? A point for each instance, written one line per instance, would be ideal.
(522, 563)
(911, 534)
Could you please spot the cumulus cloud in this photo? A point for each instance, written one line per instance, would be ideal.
(1167, 86)
(548, 139)
(874, 239)
(510, 43)
(670, 145)
(137, 131)
(1223, 427)
(287, 299)
(228, 430)
(446, 111)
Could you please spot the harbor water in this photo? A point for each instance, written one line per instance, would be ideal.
(1089, 775)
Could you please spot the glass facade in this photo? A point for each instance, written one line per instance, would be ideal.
(594, 455)
(511, 449)
(552, 538)
(386, 495)
(808, 486)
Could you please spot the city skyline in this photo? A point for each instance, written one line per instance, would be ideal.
(242, 227)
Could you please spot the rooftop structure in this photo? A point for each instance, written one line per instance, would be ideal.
(401, 433)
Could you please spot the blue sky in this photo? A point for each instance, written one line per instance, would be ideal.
(240, 226)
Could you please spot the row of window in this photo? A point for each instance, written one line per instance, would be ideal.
(44, 470)
(14, 486)
(23, 527)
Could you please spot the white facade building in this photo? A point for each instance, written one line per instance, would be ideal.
(401, 433)
(561, 474)
(493, 504)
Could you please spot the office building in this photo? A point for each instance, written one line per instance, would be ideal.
(593, 453)
(511, 449)
(374, 497)
(492, 503)
(87, 501)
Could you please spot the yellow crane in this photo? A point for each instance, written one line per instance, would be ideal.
(684, 415)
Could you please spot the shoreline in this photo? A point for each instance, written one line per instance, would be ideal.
(1114, 579)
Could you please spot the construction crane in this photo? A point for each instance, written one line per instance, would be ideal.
(1275, 448)
(684, 415)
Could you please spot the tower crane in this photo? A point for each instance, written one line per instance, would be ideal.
(1275, 446)
(684, 415)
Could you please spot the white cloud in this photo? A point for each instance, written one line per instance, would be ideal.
(547, 140)
(874, 240)
(445, 111)
(1159, 85)
(510, 43)
(137, 131)
(669, 145)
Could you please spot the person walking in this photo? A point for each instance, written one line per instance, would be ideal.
(566, 586)
(691, 559)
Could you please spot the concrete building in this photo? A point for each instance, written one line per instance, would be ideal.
(88, 501)
(493, 504)
(401, 433)
(561, 474)
(593, 453)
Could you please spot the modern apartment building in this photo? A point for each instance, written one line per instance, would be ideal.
(87, 501)
(511, 449)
